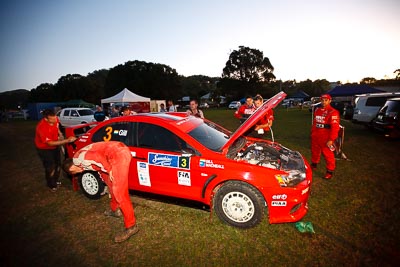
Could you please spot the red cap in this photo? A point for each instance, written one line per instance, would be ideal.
(326, 96)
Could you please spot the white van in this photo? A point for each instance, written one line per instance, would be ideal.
(368, 105)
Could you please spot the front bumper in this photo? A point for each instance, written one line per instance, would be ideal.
(290, 204)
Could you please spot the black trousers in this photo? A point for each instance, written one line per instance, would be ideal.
(51, 159)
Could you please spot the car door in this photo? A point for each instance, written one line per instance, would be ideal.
(165, 163)
(74, 117)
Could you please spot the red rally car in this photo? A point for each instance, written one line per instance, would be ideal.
(239, 177)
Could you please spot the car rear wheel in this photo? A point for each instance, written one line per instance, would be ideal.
(91, 184)
(239, 204)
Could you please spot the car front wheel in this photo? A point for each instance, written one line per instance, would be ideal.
(239, 204)
(91, 184)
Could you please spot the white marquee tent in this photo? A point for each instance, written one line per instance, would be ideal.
(125, 96)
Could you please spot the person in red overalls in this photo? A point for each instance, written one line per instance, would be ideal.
(245, 110)
(265, 123)
(324, 131)
(111, 160)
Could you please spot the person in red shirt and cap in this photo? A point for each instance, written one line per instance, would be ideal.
(245, 110)
(324, 131)
(48, 140)
(111, 160)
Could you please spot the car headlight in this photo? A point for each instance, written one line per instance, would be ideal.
(292, 178)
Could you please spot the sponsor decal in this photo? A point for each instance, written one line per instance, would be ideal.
(278, 197)
(278, 203)
(121, 132)
(83, 140)
(163, 160)
(182, 121)
(305, 191)
(143, 173)
(171, 161)
(184, 178)
(210, 164)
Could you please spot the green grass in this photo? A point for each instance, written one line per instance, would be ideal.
(355, 215)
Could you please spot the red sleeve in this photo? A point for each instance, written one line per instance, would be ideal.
(334, 121)
(239, 113)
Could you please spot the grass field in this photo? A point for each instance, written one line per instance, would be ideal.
(355, 215)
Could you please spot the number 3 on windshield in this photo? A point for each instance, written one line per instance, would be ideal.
(108, 135)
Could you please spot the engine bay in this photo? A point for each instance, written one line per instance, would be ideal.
(271, 155)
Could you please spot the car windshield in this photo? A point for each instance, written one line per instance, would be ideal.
(85, 112)
(210, 135)
(393, 106)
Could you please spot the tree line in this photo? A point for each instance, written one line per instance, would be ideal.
(246, 72)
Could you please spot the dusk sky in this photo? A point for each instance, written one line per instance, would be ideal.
(340, 40)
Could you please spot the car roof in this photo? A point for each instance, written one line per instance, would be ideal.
(77, 108)
(394, 99)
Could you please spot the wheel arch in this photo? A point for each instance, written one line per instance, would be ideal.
(210, 188)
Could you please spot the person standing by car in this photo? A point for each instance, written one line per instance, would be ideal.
(245, 110)
(48, 140)
(193, 109)
(111, 160)
(170, 106)
(127, 111)
(324, 131)
(99, 114)
(114, 112)
(162, 108)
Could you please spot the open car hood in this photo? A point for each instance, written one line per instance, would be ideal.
(255, 117)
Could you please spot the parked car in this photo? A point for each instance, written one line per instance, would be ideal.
(387, 120)
(348, 111)
(234, 105)
(190, 158)
(204, 105)
(367, 106)
(74, 116)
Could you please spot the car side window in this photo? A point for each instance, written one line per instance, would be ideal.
(66, 112)
(74, 113)
(118, 131)
(157, 137)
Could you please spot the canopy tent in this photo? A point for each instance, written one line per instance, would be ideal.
(125, 96)
(352, 89)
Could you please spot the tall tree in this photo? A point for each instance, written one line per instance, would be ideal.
(368, 80)
(245, 72)
(42, 93)
(397, 72)
(248, 65)
(156, 81)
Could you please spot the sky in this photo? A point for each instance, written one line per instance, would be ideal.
(340, 40)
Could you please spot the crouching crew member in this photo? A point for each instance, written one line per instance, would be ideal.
(111, 160)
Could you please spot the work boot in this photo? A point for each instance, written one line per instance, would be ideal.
(313, 166)
(328, 175)
(117, 213)
(126, 234)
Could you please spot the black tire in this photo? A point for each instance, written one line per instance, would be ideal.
(91, 184)
(239, 204)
